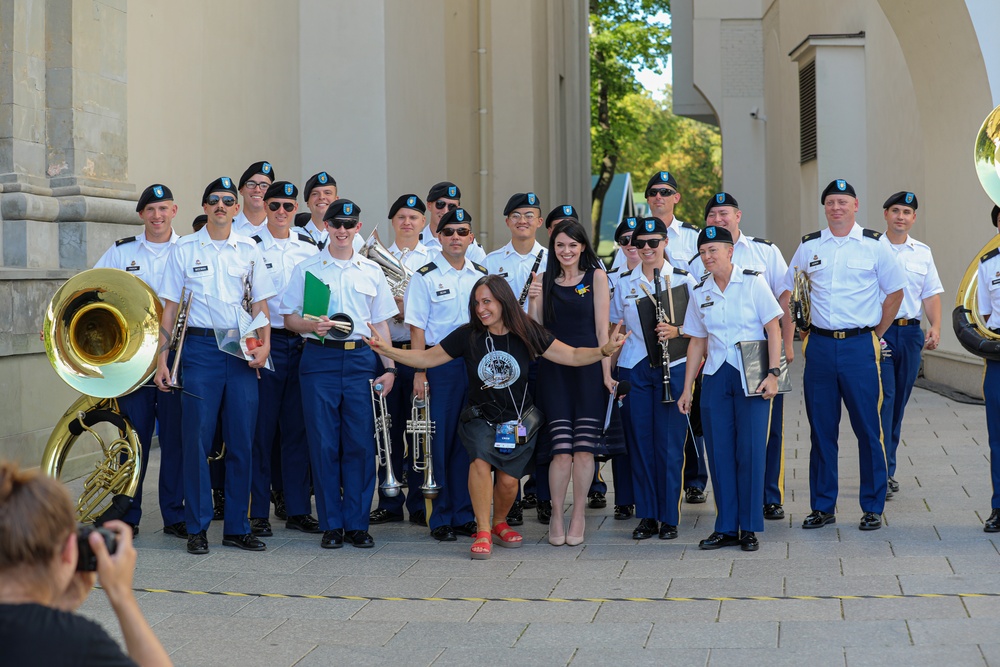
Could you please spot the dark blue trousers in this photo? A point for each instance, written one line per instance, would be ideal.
(281, 408)
(906, 343)
(887, 374)
(399, 404)
(448, 390)
(657, 433)
(736, 437)
(991, 392)
(774, 462)
(217, 380)
(845, 369)
(336, 400)
(144, 407)
(621, 466)
(695, 464)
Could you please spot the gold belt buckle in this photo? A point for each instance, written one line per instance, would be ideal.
(840, 335)
(350, 345)
(902, 322)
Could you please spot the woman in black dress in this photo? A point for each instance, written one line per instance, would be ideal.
(572, 301)
(500, 424)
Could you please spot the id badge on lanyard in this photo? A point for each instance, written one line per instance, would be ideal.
(509, 435)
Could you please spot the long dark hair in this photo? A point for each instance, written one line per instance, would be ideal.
(553, 269)
(516, 320)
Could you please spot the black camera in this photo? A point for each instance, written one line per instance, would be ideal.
(87, 559)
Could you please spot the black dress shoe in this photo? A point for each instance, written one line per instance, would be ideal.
(544, 511)
(467, 529)
(668, 532)
(623, 512)
(278, 498)
(529, 501)
(870, 521)
(774, 511)
(198, 543)
(893, 485)
(419, 517)
(597, 500)
(645, 530)
(260, 527)
(359, 538)
(718, 540)
(304, 522)
(135, 529)
(444, 534)
(383, 516)
(332, 539)
(515, 517)
(748, 542)
(218, 504)
(695, 496)
(178, 529)
(247, 542)
(992, 524)
(817, 519)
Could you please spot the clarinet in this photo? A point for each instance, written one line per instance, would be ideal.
(527, 283)
(661, 316)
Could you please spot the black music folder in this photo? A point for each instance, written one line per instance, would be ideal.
(754, 363)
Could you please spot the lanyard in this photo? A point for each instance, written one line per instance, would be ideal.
(519, 410)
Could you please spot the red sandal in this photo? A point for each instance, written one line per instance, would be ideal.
(506, 536)
(481, 547)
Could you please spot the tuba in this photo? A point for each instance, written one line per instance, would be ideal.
(395, 272)
(420, 430)
(101, 336)
(800, 304)
(966, 320)
(383, 444)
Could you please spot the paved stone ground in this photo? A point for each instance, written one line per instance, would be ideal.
(932, 543)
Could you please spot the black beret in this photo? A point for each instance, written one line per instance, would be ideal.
(342, 208)
(282, 190)
(155, 192)
(407, 201)
(905, 198)
(714, 235)
(838, 186)
(661, 178)
(626, 225)
(651, 225)
(221, 184)
(444, 189)
(316, 180)
(522, 200)
(721, 199)
(199, 222)
(263, 167)
(563, 212)
(302, 219)
(994, 214)
(458, 216)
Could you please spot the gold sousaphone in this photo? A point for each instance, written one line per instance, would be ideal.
(101, 335)
(970, 328)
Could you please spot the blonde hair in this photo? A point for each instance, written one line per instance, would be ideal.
(36, 515)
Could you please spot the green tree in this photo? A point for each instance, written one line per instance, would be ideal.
(624, 35)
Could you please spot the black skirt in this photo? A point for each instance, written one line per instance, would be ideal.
(478, 436)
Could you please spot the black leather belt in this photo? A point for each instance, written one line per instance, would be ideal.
(337, 344)
(287, 333)
(401, 344)
(841, 334)
(903, 322)
(199, 331)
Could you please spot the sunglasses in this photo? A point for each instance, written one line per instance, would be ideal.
(226, 201)
(287, 205)
(662, 192)
(450, 231)
(625, 240)
(346, 224)
(440, 204)
(642, 243)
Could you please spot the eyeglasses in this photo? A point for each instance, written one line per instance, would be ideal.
(346, 224)
(625, 240)
(287, 205)
(254, 185)
(662, 192)
(527, 217)
(215, 199)
(451, 231)
(440, 204)
(642, 243)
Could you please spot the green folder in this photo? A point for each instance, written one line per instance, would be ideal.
(316, 300)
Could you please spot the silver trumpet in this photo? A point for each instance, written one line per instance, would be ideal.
(383, 445)
(418, 437)
(397, 275)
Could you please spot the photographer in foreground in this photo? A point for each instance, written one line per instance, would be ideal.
(40, 587)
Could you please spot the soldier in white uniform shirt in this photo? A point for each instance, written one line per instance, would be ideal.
(336, 371)
(757, 254)
(321, 191)
(144, 256)
(443, 198)
(252, 186)
(280, 412)
(215, 264)
(904, 336)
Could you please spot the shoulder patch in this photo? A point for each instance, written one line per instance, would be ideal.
(305, 238)
(688, 225)
(123, 241)
(811, 236)
(872, 234)
(257, 239)
(614, 270)
(760, 240)
(691, 261)
(482, 269)
(702, 281)
(427, 268)
(750, 272)
(680, 272)
(628, 273)
(990, 255)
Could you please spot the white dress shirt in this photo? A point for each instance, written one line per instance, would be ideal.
(921, 274)
(437, 300)
(516, 268)
(280, 258)
(415, 258)
(752, 253)
(139, 257)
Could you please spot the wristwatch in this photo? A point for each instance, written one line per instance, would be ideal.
(776, 372)
(393, 370)
(680, 331)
